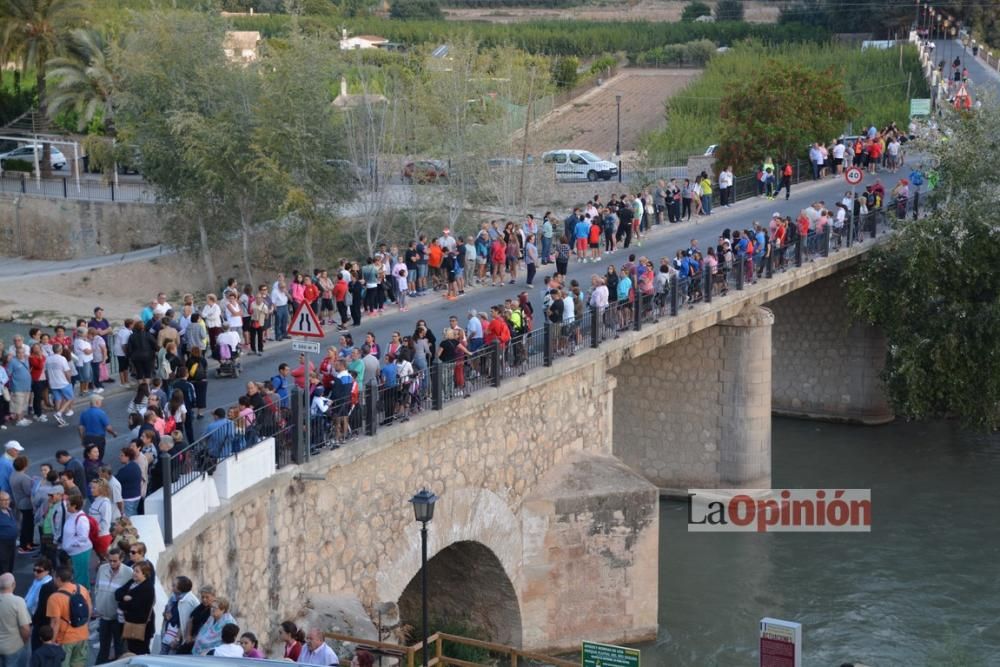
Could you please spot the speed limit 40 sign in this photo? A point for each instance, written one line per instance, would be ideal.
(854, 176)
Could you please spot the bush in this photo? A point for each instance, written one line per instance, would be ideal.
(729, 10)
(601, 65)
(18, 165)
(696, 53)
(694, 10)
(564, 72)
(416, 9)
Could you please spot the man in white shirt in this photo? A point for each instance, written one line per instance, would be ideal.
(279, 299)
(117, 504)
(15, 623)
(111, 575)
(58, 373)
(725, 187)
(161, 306)
(316, 651)
(838, 156)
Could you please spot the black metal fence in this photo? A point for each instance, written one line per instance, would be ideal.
(300, 432)
(66, 187)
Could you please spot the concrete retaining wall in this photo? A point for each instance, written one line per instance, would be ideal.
(60, 229)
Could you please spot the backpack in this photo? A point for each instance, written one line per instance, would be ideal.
(79, 610)
(94, 531)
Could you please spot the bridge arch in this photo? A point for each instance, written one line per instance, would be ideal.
(467, 588)
(474, 545)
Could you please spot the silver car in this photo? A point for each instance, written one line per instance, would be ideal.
(26, 153)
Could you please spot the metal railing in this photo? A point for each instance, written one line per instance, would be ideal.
(66, 187)
(334, 423)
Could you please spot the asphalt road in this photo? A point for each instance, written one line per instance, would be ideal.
(42, 440)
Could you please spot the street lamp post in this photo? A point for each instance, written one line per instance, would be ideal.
(618, 135)
(423, 511)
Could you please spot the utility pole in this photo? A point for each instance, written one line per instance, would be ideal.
(524, 145)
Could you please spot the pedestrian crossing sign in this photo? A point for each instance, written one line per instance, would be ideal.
(305, 322)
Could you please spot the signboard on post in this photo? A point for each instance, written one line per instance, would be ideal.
(780, 643)
(920, 107)
(607, 655)
(308, 346)
(854, 176)
(305, 323)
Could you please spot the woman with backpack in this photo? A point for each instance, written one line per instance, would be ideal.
(76, 539)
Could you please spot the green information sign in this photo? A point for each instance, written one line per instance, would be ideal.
(606, 655)
(920, 107)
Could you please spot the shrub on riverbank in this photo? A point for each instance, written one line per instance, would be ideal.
(875, 84)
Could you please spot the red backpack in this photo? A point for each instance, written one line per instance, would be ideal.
(95, 528)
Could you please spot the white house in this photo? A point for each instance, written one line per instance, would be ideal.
(240, 46)
(361, 42)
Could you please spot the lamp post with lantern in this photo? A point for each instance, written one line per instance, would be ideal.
(423, 511)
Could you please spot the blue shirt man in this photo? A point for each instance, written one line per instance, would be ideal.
(281, 385)
(581, 230)
(219, 434)
(388, 371)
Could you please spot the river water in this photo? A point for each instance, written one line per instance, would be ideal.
(923, 588)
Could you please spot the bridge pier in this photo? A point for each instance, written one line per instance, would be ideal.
(697, 412)
(826, 364)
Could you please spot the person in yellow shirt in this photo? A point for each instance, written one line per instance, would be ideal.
(706, 193)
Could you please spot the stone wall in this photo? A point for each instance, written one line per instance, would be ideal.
(353, 533)
(696, 412)
(60, 229)
(826, 364)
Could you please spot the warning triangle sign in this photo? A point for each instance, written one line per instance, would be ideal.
(305, 323)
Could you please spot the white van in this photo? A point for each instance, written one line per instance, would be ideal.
(573, 164)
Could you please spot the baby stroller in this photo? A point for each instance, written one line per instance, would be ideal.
(229, 359)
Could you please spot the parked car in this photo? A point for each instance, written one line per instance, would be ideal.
(26, 153)
(574, 164)
(425, 171)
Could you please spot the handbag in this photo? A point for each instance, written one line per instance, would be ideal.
(102, 372)
(134, 631)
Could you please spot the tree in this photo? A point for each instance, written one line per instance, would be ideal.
(694, 10)
(170, 65)
(298, 132)
(729, 10)
(416, 9)
(780, 111)
(33, 31)
(934, 291)
(85, 79)
(565, 71)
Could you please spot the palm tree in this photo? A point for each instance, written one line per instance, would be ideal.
(32, 32)
(84, 78)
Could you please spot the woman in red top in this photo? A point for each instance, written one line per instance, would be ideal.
(310, 292)
(36, 364)
(340, 296)
(498, 253)
(326, 369)
(293, 638)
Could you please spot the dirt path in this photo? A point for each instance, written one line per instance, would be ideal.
(588, 122)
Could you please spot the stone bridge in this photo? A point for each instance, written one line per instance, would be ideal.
(546, 531)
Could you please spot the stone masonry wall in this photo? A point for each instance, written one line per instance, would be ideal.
(826, 364)
(60, 229)
(353, 533)
(696, 412)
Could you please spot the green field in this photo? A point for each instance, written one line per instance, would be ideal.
(875, 84)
